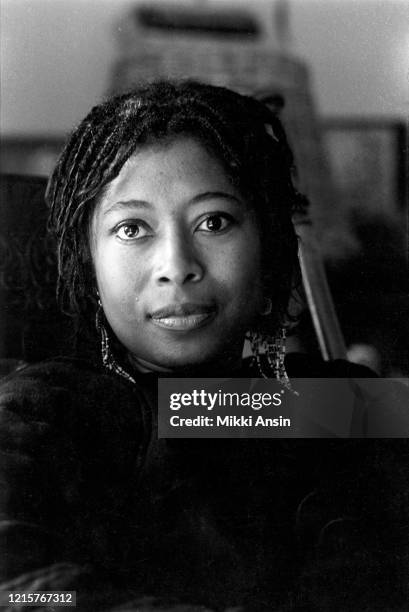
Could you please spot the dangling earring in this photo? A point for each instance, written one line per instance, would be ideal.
(273, 349)
(108, 360)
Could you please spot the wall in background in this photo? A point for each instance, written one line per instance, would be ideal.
(56, 57)
(359, 53)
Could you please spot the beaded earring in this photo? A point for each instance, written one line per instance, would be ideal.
(108, 360)
(268, 355)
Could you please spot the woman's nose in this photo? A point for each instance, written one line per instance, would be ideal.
(177, 261)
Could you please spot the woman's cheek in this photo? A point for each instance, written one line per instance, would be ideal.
(114, 276)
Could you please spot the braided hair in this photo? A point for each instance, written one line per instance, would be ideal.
(242, 132)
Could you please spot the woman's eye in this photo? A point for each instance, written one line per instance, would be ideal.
(131, 231)
(215, 223)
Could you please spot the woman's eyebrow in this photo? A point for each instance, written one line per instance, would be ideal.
(213, 195)
(122, 204)
(144, 205)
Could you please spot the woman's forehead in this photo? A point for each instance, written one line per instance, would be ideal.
(169, 164)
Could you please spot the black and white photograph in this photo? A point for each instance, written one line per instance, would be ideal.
(204, 305)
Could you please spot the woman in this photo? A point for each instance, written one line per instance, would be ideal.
(172, 210)
(226, 146)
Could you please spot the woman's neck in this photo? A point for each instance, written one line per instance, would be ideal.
(230, 367)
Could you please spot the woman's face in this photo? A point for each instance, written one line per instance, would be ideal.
(177, 253)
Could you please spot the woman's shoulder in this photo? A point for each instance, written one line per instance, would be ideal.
(303, 365)
(72, 393)
(306, 365)
(57, 370)
(73, 374)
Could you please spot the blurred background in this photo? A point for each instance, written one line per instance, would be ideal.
(336, 70)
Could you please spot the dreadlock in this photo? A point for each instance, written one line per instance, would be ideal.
(244, 134)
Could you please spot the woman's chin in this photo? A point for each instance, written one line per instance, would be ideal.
(188, 361)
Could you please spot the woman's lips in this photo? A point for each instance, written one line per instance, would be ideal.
(182, 317)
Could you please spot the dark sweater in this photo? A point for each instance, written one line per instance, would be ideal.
(92, 501)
